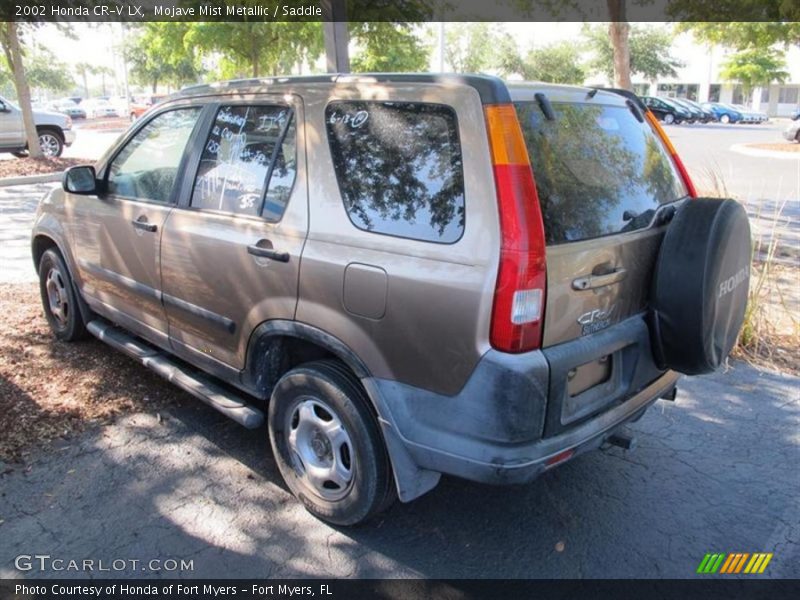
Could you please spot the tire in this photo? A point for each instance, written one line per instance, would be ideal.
(669, 118)
(320, 417)
(725, 119)
(59, 299)
(700, 285)
(797, 136)
(51, 142)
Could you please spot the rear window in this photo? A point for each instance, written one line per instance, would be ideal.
(399, 168)
(598, 170)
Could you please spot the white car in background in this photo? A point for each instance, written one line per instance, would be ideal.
(98, 108)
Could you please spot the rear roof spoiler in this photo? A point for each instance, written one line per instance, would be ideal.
(627, 94)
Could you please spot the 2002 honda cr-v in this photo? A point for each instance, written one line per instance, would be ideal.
(412, 274)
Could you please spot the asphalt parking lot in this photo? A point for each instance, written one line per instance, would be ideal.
(716, 471)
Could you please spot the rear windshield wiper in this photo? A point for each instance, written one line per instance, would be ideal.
(546, 106)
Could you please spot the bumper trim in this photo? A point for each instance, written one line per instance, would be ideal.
(523, 462)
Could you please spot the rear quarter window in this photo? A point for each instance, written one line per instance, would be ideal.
(598, 170)
(399, 168)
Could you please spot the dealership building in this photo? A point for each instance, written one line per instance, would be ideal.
(699, 79)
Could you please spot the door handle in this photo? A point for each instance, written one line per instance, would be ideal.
(141, 223)
(268, 253)
(597, 281)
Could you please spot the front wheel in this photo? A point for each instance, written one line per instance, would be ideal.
(51, 143)
(725, 119)
(669, 119)
(327, 444)
(59, 299)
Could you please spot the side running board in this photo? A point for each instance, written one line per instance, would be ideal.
(199, 385)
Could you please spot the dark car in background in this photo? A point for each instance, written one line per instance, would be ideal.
(706, 115)
(697, 114)
(667, 111)
(724, 112)
(68, 107)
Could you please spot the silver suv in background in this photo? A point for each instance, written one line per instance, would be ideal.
(54, 129)
(404, 275)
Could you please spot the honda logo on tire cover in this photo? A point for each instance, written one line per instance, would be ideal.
(731, 283)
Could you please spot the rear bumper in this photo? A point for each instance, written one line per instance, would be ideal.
(523, 462)
(514, 413)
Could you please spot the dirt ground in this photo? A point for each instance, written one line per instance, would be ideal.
(50, 390)
(20, 167)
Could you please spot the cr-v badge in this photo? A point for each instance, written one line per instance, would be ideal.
(596, 319)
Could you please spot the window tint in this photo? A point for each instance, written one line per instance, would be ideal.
(237, 161)
(399, 168)
(147, 166)
(593, 164)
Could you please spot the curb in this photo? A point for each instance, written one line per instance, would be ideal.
(744, 149)
(45, 178)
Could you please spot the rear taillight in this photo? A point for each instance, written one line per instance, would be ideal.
(519, 295)
(676, 160)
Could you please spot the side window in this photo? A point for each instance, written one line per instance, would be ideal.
(147, 166)
(399, 168)
(248, 165)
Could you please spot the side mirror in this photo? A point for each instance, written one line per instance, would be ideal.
(80, 180)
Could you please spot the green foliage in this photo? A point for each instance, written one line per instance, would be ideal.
(744, 35)
(755, 67)
(650, 51)
(556, 63)
(159, 54)
(256, 48)
(472, 47)
(388, 47)
(46, 72)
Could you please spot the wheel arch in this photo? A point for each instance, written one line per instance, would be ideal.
(277, 346)
(41, 242)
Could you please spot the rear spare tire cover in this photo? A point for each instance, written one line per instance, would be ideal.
(700, 285)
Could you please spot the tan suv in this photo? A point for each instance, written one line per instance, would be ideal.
(370, 261)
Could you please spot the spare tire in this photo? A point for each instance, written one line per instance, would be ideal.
(700, 285)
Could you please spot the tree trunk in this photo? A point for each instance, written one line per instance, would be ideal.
(618, 31)
(336, 36)
(13, 50)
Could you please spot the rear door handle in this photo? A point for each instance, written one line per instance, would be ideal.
(141, 223)
(268, 253)
(597, 281)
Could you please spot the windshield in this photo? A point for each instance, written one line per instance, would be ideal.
(598, 170)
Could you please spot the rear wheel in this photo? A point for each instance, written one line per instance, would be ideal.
(669, 119)
(725, 119)
(59, 299)
(327, 444)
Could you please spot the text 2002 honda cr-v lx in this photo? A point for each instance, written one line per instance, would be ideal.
(410, 274)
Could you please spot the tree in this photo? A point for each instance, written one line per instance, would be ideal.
(471, 47)
(256, 48)
(649, 53)
(159, 54)
(740, 35)
(83, 70)
(44, 71)
(556, 63)
(11, 34)
(755, 67)
(388, 47)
